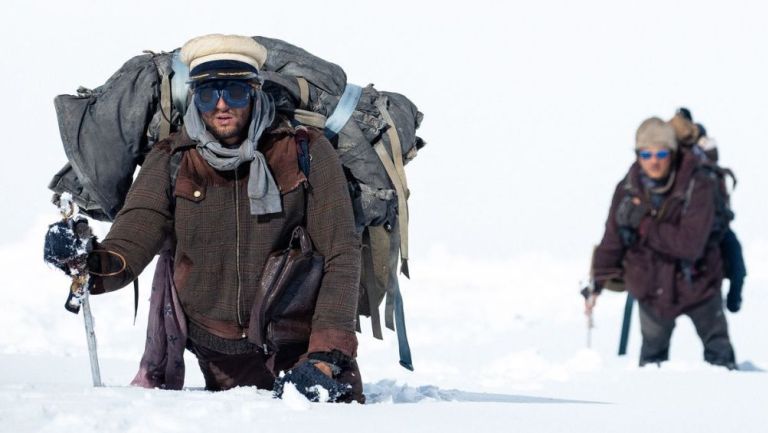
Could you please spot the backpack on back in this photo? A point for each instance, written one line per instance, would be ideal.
(107, 131)
(694, 136)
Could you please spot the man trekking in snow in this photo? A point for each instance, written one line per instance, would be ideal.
(662, 242)
(227, 190)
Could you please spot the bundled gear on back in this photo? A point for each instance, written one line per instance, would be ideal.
(693, 136)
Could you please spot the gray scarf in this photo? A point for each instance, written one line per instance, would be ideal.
(658, 189)
(262, 189)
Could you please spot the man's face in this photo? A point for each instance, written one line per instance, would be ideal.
(655, 161)
(228, 124)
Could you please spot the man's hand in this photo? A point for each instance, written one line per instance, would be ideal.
(631, 212)
(590, 299)
(325, 368)
(590, 294)
(67, 244)
(589, 304)
(629, 215)
(315, 384)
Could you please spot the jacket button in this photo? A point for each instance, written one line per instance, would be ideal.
(197, 194)
(659, 291)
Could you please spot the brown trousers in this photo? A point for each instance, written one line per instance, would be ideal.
(222, 371)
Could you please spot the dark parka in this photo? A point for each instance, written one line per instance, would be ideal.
(675, 263)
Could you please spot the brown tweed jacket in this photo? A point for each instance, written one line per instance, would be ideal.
(221, 248)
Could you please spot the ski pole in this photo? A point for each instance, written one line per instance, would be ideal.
(590, 298)
(624, 339)
(589, 304)
(78, 293)
(590, 325)
(90, 335)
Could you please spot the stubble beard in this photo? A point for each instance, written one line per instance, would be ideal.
(226, 133)
(231, 135)
(233, 132)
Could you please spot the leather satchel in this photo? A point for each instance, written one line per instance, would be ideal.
(285, 302)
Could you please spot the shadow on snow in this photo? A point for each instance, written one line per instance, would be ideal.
(387, 391)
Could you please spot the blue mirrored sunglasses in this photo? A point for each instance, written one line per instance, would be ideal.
(236, 94)
(648, 154)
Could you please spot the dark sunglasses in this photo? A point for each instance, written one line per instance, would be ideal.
(647, 154)
(235, 93)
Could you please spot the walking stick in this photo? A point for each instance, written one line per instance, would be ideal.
(588, 293)
(78, 293)
(589, 304)
(625, 325)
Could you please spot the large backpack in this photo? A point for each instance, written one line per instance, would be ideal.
(107, 131)
(693, 136)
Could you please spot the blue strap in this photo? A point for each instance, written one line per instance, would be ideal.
(304, 157)
(343, 110)
(402, 336)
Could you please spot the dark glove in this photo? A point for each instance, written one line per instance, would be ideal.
(629, 214)
(67, 244)
(307, 378)
(631, 211)
(733, 300)
(594, 289)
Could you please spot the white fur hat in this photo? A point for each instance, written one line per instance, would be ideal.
(223, 56)
(654, 131)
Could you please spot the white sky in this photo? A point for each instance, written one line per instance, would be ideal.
(530, 107)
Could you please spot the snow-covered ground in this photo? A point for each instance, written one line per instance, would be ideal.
(498, 346)
(530, 112)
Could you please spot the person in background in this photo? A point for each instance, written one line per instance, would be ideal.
(662, 241)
